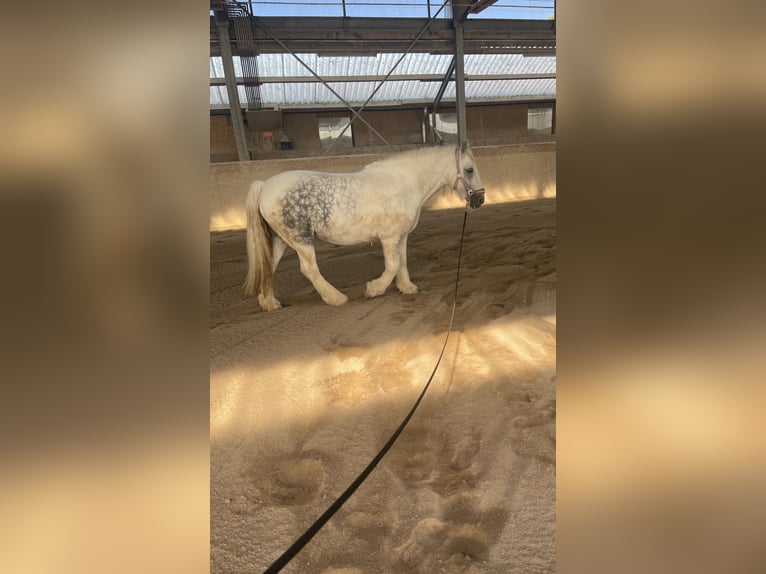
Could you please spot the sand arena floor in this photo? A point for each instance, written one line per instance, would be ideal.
(302, 398)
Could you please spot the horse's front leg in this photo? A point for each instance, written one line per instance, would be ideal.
(403, 282)
(392, 256)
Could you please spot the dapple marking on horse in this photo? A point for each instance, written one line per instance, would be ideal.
(382, 201)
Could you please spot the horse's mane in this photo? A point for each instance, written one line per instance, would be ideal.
(408, 155)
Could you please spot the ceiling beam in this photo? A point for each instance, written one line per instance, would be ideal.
(367, 36)
(479, 5)
(379, 78)
(447, 104)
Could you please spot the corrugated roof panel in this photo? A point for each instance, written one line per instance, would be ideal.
(498, 89)
(295, 8)
(284, 65)
(533, 10)
(390, 93)
(509, 64)
(385, 9)
(219, 95)
(216, 67)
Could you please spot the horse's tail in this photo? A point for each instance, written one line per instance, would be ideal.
(259, 257)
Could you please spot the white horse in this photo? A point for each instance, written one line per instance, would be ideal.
(382, 201)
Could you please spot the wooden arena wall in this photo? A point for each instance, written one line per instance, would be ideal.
(509, 173)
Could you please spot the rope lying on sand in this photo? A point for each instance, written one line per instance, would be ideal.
(306, 537)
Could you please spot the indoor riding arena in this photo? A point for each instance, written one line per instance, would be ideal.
(302, 398)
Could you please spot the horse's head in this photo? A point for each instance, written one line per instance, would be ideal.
(467, 180)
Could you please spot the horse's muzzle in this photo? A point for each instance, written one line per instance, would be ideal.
(476, 200)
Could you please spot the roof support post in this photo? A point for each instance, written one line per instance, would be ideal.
(462, 133)
(222, 25)
(459, 15)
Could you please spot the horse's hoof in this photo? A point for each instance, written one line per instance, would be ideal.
(339, 300)
(371, 291)
(269, 303)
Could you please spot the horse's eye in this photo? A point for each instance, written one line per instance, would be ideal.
(469, 170)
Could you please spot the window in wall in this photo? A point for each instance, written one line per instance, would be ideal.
(330, 130)
(446, 126)
(540, 121)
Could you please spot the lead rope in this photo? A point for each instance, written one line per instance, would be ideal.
(304, 539)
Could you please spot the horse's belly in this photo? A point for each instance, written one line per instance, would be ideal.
(364, 227)
(345, 236)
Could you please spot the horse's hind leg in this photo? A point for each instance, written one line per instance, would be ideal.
(392, 256)
(308, 260)
(266, 298)
(277, 250)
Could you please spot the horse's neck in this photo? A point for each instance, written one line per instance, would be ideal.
(434, 172)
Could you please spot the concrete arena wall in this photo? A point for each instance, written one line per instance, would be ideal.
(509, 173)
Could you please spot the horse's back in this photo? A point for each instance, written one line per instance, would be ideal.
(287, 181)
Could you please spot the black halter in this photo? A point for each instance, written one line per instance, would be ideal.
(469, 191)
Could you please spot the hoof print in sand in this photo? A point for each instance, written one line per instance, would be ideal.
(468, 542)
(426, 537)
(295, 481)
(464, 452)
